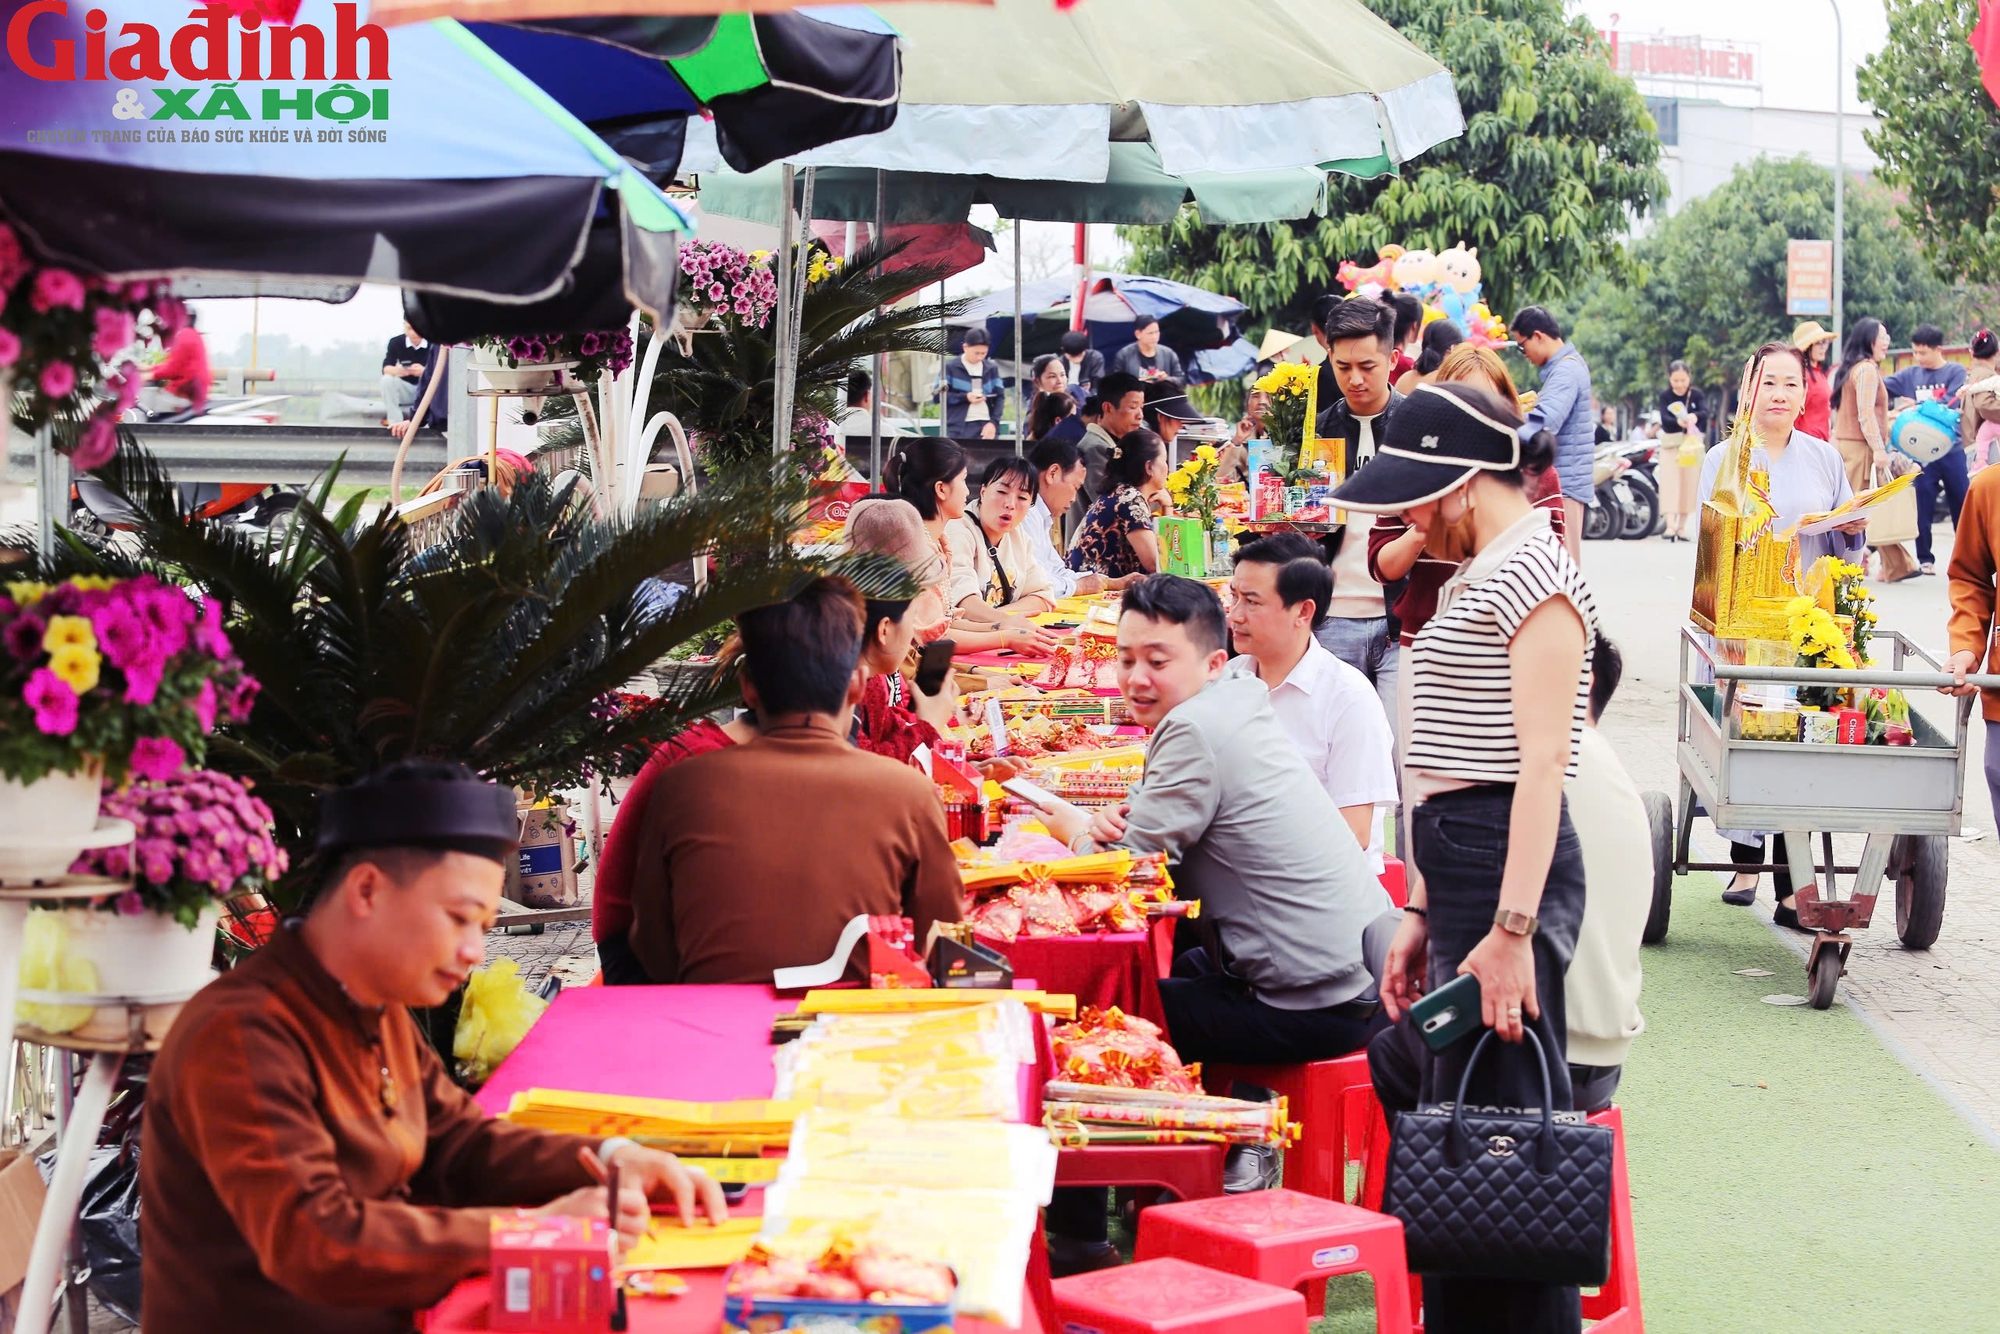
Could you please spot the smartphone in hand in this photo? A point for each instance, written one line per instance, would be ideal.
(1449, 1013)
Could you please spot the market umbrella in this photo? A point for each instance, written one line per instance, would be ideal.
(506, 11)
(1023, 91)
(432, 164)
(773, 84)
(1202, 326)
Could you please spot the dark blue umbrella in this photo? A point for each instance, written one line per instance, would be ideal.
(223, 152)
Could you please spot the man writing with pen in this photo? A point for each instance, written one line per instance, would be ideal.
(307, 1165)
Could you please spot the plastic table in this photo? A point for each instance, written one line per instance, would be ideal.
(708, 1043)
(1121, 969)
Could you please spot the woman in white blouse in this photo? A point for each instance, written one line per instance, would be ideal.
(993, 561)
(1498, 700)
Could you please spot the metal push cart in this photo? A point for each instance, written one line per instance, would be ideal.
(1906, 799)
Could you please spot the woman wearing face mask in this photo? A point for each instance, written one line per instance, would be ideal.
(1683, 419)
(992, 563)
(1807, 476)
(1499, 688)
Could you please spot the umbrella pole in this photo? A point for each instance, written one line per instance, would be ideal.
(781, 369)
(875, 398)
(1082, 274)
(801, 278)
(1020, 361)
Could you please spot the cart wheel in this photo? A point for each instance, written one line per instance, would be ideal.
(1660, 816)
(1922, 863)
(1825, 978)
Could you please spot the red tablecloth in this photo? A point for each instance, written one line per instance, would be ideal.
(1122, 970)
(699, 1043)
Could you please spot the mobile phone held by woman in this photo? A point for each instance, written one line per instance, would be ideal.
(1449, 1013)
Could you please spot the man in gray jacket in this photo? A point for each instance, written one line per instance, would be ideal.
(1251, 833)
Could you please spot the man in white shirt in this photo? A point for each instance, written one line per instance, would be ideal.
(1059, 472)
(1602, 985)
(1279, 590)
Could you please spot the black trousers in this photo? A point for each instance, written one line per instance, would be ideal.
(1459, 840)
(1214, 1018)
(1752, 854)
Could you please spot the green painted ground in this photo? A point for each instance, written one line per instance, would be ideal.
(1788, 1173)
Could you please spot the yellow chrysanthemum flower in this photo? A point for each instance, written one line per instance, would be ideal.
(1206, 453)
(76, 665)
(69, 632)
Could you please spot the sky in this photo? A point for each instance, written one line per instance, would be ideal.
(1796, 42)
(1796, 37)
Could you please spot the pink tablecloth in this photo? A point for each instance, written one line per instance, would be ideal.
(704, 1044)
(699, 1043)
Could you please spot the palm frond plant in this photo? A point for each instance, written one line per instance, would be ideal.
(503, 647)
(722, 389)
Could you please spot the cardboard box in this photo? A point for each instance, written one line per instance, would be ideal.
(21, 1194)
(548, 858)
(1183, 547)
(551, 1274)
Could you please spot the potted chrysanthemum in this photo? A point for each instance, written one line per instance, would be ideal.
(100, 677)
(201, 839)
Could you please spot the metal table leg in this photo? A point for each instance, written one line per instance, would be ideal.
(52, 1233)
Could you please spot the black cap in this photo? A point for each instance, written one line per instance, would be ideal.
(1175, 406)
(415, 804)
(1432, 442)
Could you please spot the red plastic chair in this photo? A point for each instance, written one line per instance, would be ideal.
(1615, 1306)
(1318, 1096)
(1186, 1171)
(1169, 1296)
(1289, 1240)
(1394, 880)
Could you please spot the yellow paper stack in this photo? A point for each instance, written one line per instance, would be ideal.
(903, 1000)
(947, 1064)
(716, 1129)
(963, 1193)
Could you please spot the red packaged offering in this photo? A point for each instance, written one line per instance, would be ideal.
(1852, 725)
(551, 1274)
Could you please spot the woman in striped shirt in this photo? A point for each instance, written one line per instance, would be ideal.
(1498, 699)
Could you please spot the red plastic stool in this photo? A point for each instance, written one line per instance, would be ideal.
(1395, 881)
(1318, 1095)
(1169, 1296)
(1615, 1306)
(1289, 1240)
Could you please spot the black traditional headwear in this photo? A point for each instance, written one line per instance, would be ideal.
(420, 804)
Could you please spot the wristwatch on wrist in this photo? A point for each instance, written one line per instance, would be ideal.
(1514, 923)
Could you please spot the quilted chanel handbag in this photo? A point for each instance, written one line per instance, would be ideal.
(1497, 1192)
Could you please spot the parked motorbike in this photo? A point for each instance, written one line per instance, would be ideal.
(1608, 512)
(1639, 487)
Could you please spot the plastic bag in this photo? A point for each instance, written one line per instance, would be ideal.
(497, 1013)
(108, 1221)
(46, 966)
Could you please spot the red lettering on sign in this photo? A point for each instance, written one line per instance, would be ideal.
(64, 66)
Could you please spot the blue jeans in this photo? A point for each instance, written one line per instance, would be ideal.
(1369, 648)
(1948, 472)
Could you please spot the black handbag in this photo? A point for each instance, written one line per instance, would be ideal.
(1496, 1192)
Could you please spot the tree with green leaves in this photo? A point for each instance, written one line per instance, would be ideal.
(1938, 134)
(1707, 285)
(1558, 157)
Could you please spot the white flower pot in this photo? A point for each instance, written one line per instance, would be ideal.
(143, 956)
(46, 823)
(529, 379)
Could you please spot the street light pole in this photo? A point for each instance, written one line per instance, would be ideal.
(1839, 175)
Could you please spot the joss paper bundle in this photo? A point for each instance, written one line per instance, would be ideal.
(1110, 1047)
(1246, 1123)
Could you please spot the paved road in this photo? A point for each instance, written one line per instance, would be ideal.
(1935, 1008)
